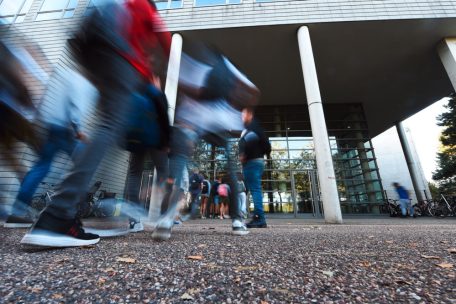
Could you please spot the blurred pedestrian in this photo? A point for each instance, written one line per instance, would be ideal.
(113, 46)
(253, 146)
(73, 95)
(211, 93)
(205, 192)
(242, 194)
(404, 200)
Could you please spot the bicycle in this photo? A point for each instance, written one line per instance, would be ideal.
(392, 207)
(443, 208)
(40, 201)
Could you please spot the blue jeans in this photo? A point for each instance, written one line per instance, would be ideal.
(253, 170)
(405, 203)
(59, 139)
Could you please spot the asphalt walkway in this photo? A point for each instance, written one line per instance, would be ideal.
(365, 260)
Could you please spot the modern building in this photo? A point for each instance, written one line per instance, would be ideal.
(333, 74)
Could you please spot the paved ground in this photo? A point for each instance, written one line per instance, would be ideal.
(378, 260)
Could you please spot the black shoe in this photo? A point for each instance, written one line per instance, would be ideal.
(50, 231)
(14, 221)
(257, 222)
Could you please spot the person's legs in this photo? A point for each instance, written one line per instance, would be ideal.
(253, 170)
(242, 203)
(182, 144)
(403, 203)
(58, 138)
(119, 80)
(134, 177)
(411, 208)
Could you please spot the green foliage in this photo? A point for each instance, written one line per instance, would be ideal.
(446, 159)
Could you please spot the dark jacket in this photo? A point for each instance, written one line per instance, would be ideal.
(254, 143)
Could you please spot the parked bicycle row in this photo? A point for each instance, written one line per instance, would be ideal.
(440, 207)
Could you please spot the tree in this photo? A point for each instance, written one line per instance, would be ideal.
(446, 158)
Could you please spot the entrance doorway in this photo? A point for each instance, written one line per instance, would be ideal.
(305, 193)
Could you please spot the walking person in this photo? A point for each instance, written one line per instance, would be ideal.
(404, 200)
(209, 92)
(196, 185)
(242, 194)
(118, 67)
(74, 96)
(205, 191)
(253, 146)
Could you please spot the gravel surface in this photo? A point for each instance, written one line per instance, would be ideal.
(292, 261)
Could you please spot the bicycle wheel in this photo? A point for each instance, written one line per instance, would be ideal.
(417, 210)
(38, 203)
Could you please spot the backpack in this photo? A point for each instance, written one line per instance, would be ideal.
(195, 182)
(100, 32)
(223, 190)
(148, 124)
(205, 189)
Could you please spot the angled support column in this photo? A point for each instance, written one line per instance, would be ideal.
(411, 164)
(447, 53)
(325, 167)
(171, 87)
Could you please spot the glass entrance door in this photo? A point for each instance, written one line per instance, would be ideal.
(306, 198)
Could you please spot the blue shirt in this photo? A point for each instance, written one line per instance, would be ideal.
(403, 194)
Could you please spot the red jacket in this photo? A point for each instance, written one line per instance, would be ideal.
(144, 32)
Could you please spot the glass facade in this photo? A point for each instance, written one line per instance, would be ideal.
(290, 179)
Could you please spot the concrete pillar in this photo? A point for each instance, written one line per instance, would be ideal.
(171, 88)
(447, 53)
(411, 164)
(325, 167)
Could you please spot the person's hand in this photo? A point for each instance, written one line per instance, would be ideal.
(82, 137)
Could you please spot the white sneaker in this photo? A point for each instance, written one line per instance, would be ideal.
(239, 228)
(136, 227)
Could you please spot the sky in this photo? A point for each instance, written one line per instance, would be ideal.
(425, 134)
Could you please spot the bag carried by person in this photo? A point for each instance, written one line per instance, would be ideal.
(223, 190)
(195, 182)
(148, 124)
(100, 32)
(206, 187)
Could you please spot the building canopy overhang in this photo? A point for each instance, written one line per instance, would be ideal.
(390, 67)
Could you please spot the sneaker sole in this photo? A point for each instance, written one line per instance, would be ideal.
(17, 225)
(240, 232)
(55, 241)
(106, 233)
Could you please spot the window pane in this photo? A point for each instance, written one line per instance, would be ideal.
(161, 4)
(48, 16)
(26, 7)
(20, 19)
(209, 2)
(53, 5)
(72, 4)
(7, 20)
(10, 7)
(68, 14)
(176, 3)
(234, 1)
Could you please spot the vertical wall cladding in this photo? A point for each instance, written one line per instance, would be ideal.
(51, 37)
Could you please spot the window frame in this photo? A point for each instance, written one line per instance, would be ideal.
(210, 5)
(168, 7)
(19, 13)
(62, 11)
